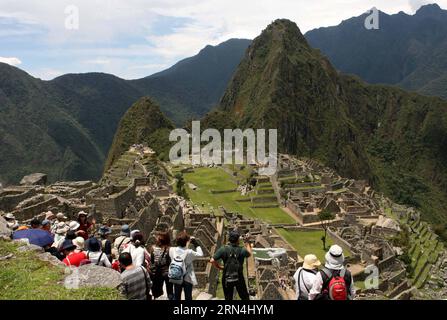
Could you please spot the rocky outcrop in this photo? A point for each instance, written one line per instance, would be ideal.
(91, 275)
(4, 230)
(34, 179)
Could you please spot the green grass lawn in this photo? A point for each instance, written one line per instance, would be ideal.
(25, 277)
(307, 242)
(207, 179)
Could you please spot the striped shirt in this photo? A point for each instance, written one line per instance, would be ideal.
(134, 284)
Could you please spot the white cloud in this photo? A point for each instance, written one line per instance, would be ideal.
(13, 61)
(97, 61)
(120, 32)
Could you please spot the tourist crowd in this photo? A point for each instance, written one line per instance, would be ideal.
(147, 272)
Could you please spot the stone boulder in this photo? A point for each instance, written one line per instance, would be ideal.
(91, 275)
(4, 230)
(30, 247)
(34, 179)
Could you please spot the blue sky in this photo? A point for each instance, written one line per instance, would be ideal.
(135, 38)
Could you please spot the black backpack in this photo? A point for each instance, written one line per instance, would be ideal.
(232, 265)
(160, 265)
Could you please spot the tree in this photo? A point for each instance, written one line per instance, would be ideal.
(180, 186)
(325, 216)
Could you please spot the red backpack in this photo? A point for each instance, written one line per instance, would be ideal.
(335, 285)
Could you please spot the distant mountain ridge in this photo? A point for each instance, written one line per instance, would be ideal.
(65, 127)
(406, 50)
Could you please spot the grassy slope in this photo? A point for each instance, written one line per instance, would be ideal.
(25, 277)
(306, 242)
(207, 179)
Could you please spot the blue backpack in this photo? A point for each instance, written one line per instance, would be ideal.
(177, 268)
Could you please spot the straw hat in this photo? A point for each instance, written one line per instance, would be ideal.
(311, 262)
(49, 215)
(62, 228)
(61, 216)
(334, 258)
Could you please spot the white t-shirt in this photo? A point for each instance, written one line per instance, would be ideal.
(190, 256)
(306, 279)
(95, 256)
(137, 254)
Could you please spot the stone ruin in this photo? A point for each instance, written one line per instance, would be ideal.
(145, 203)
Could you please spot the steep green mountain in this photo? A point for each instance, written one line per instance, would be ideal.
(406, 50)
(65, 127)
(142, 123)
(195, 85)
(37, 134)
(396, 140)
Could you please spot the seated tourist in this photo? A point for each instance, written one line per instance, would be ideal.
(72, 258)
(95, 255)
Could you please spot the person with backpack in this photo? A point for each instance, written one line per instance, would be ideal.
(136, 280)
(106, 245)
(95, 255)
(181, 270)
(233, 257)
(334, 281)
(305, 276)
(122, 241)
(140, 256)
(160, 262)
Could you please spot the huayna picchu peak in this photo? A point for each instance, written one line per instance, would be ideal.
(392, 138)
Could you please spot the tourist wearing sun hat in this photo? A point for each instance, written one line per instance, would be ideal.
(106, 244)
(72, 258)
(122, 241)
(333, 267)
(49, 215)
(305, 276)
(60, 217)
(59, 234)
(79, 243)
(11, 221)
(73, 225)
(84, 224)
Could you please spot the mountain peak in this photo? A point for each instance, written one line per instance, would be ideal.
(283, 27)
(429, 10)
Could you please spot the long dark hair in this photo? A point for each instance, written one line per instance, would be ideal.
(163, 239)
(138, 239)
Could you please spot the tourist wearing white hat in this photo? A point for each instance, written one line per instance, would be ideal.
(60, 218)
(11, 221)
(73, 225)
(59, 234)
(79, 243)
(121, 242)
(334, 281)
(305, 276)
